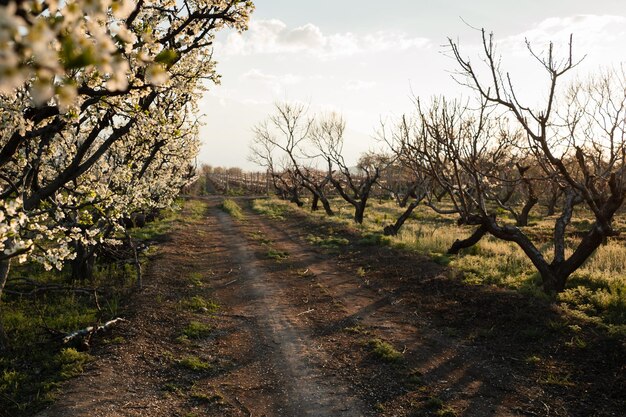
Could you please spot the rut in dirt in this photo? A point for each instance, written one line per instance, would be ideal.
(308, 390)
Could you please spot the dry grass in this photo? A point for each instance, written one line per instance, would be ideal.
(597, 291)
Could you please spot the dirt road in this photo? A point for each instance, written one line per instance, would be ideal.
(303, 331)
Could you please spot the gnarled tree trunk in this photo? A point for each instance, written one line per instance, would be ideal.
(82, 266)
(315, 202)
(460, 244)
(5, 266)
(393, 229)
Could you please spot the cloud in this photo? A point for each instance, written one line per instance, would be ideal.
(359, 85)
(276, 82)
(589, 32)
(275, 37)
(258, 75)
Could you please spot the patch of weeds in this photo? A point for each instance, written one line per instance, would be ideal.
(415, 378)
(199, 304)
(380, 407)
(118, 340)
(196, 279)
(434, 403)
(553, 379)
(577, 342)
(443, 259)
(172, 387)
(232, 208)
(385, 351)
(360, 272)
(277, 255)
(534, 359)
(439, 409)
(197, 330)
(329, 242)
(357, 329)
(373, 239)
(194, 363)
(197, 209)
(212, 398)
(157, 229)
(271, 209)
(260, 237)
(72, 362)
(10, 382)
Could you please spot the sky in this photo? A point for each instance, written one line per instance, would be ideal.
(365, 59)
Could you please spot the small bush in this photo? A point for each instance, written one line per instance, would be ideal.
(385, 351)
(199, 304)
(72, 362)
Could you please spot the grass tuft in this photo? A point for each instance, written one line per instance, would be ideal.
(194, 363)
(197, 330)
(232, 208)
(385, 351)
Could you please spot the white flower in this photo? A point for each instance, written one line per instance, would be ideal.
(156, 75)
(121, 9)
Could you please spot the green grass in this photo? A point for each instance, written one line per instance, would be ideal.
(35, 364)
(210, 398)
(277, 255)
(197, 330)
(330, 242)
(200, 304)
(194, 363)
(260, 237)
(385, 351)
(272, 208)
(72, 362)
(596, 292)
(232, 208)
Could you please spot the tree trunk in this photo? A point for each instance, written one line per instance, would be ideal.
(359, 212)
(82, 265)
(553, 281)
(393, 229)
(295, 198)
(469, 242)
(522, 218)
(315, 202)
(326, 205)
(552, 204)
(5, 266)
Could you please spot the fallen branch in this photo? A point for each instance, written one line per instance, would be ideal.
(305, 312)
(27, 286)
(88, 332)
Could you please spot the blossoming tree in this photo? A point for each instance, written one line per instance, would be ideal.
(97, 113)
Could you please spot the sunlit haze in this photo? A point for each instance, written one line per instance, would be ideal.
(365, 59)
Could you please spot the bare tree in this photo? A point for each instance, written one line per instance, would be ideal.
(587, 127)
(288, 130)
(416, 184)
(353, 185)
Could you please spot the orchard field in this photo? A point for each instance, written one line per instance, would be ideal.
(471, 262)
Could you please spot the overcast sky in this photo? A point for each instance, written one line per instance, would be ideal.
(365, 58)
